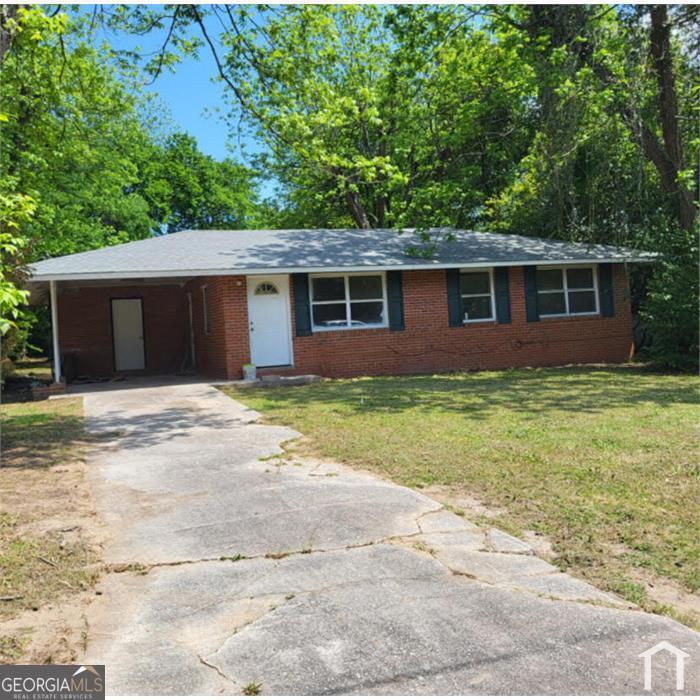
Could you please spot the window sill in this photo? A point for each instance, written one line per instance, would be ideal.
(345, 329)
(560, 317)
(478, 321)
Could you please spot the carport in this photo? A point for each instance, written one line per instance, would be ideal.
(123, 327)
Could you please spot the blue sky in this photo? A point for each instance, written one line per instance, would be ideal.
(189, 93)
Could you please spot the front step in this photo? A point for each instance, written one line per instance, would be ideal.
(293, 380)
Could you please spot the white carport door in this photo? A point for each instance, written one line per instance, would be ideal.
(127, 331)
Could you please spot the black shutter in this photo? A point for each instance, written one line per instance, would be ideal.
(394, 293)
(605, 289)
(530, 274)
(302, 310)
(502, 295)
(454, 299)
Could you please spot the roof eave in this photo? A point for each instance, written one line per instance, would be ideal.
(150, 274)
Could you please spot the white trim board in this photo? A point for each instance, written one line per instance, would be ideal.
(58, 277)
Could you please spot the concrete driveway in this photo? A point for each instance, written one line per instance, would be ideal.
(227, 568)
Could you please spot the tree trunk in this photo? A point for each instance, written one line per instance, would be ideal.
(7, 12)
(356, 209)
(669, 159)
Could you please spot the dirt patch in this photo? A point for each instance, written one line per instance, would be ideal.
(53, 634)
(541, 546)
(470, 507)
(50, 559)
(665, 592)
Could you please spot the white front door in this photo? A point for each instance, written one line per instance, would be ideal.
(269, 321)
(127, 331)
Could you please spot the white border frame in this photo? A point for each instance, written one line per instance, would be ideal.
(348, 301)
(566, 290)
(492, 294)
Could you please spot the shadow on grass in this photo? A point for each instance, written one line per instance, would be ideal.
(480, 394)
(40, 439)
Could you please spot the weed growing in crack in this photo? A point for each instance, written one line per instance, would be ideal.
(134, 567)
(251, 689)
(276, 555)
(422, 547)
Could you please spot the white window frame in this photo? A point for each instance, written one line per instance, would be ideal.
(566, 289)
(205, 310)
(492, 294)
(346, 278)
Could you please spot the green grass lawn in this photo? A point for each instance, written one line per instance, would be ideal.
(40, 433)
(602, 461)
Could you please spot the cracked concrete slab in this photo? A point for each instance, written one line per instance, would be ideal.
(500, 541)
(492, 567)
(194, 485)
(444, 521)
(565, 587)
(455, 544)
(306, 578)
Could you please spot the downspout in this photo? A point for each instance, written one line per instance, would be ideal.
(191, 321)
(53, 291)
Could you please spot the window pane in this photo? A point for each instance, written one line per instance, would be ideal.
(328, 288)
(549, 279)
(475, 283)
(579, 279)
(475, 308)
(551, 303)
(581, 302)
(329, 315)
(366, 287)
(367, 312)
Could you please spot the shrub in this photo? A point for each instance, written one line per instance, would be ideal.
(670, 310)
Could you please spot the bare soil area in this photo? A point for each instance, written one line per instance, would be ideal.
(50, 535)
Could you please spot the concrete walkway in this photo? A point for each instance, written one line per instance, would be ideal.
(228, 568)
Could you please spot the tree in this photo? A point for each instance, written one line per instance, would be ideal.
(375, 116)
(669, 158)
(71, 136)
(608, 121)
(84, 163)
(372, 116)
(342, 96)
(186, 189)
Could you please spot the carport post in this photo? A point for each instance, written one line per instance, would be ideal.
(54, 332)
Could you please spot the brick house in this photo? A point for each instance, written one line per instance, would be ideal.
(338, 303)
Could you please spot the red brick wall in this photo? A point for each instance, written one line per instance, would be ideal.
(428, 344)
(224, 350)
(85, 327)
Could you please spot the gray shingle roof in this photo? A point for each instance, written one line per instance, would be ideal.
(191, 253)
